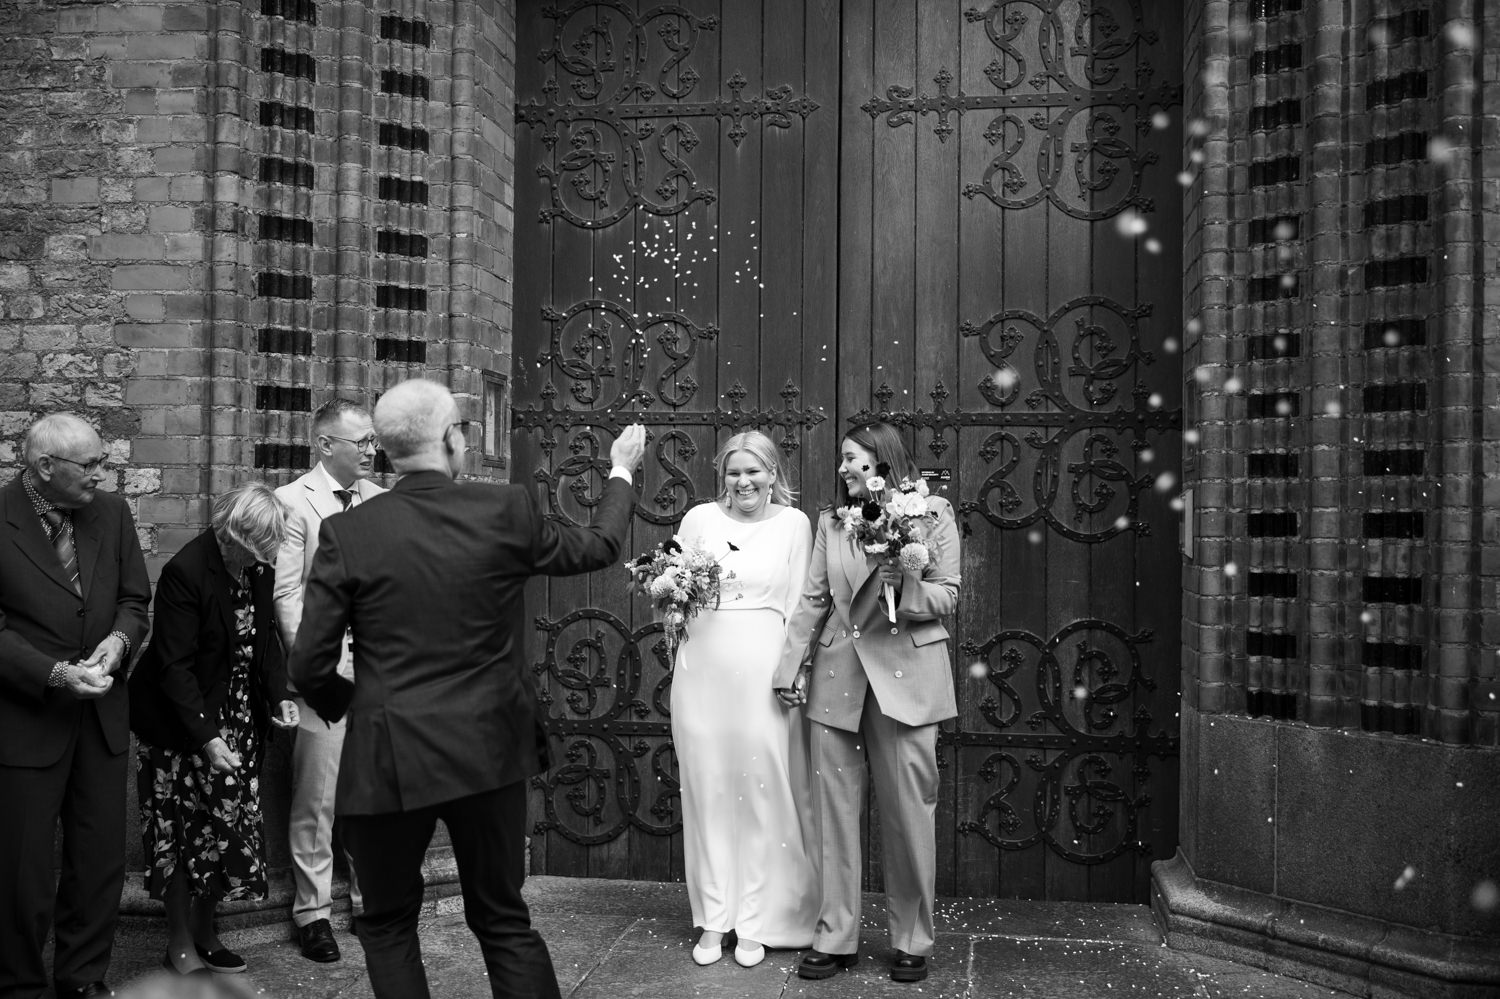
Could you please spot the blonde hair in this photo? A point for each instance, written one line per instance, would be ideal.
(253, 517)
(760, 447)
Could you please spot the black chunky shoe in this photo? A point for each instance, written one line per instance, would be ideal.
(817, 965)
(908, 967)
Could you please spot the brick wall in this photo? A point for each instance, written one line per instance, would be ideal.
(215, 216)
(1335, 356)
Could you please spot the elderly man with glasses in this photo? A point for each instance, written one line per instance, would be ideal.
(344, 440)
(73, 599)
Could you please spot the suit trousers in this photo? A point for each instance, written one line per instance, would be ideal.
(316, 749)
(902, 759)
(488, 833)
(86, 790)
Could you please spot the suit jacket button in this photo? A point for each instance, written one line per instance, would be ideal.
(898, 674)
(856, 634)
(895, 631)
(830, 672)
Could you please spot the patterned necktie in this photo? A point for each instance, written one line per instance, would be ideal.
(345, 497)
(62, 543)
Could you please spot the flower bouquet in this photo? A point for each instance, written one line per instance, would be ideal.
(679, 581)
(895, 525)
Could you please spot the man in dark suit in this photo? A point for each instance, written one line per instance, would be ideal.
(73, 599)
(443, 715)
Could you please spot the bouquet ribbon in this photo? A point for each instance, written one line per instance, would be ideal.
(888, 598)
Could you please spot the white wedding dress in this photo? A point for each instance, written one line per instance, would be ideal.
(741, 755)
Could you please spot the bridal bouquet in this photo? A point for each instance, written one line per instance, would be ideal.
(894, 525)
(679, 581)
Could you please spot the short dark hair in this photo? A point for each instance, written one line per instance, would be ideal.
(883, 441)
(332, 412)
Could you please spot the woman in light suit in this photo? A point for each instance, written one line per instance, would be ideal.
(874, 690)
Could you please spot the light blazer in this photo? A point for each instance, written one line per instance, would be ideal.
(43, 621)
(311, 499)
(431, 577)
(908, 665)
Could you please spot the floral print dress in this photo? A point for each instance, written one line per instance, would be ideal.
(197, 817)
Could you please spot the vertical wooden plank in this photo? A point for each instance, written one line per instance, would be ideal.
(533, 278)
(739, 210)
(778, 237)
(987, 600)
(856, 199)
(819, 307)
(934, 340)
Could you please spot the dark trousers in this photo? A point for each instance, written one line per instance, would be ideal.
(488, 832)
(86, 790)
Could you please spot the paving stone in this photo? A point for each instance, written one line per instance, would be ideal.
(1062, 969)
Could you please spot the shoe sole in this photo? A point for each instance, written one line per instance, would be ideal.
(227, 971)
(909, 976)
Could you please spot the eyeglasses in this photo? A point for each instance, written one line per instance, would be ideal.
(89, 467)
(370, 443)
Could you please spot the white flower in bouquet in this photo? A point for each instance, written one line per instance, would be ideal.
(661, 586)
(914, 557)
(878, 547)
(875, 484)
(922, 489)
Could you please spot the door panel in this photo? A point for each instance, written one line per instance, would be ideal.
(791, 215)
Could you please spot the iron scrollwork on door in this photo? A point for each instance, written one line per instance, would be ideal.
(618, 157)
(1072, 429)
(1062, 132)
(604, 356)
(616, 755)
(1084, 675)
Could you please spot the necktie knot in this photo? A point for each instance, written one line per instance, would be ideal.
(345, 497)
(55, 519)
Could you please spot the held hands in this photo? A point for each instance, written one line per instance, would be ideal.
(107, 657)
(221, 757)
(287, 715)
(891, 575)
(796, 694)
(629, 448)
(88, 682)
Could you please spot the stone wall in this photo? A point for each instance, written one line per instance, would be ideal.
(1339, 717)
(216, 215)
(213, 216)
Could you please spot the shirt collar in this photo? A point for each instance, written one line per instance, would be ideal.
(333, 484)
(39, 503)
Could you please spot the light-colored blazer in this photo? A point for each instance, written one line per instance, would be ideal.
(311, 498)
(908, 664)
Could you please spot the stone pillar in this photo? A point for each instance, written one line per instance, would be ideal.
(1341, 752)
(216, 214)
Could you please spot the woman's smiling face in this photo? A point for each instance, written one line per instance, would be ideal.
(855, 466)
(747, 482)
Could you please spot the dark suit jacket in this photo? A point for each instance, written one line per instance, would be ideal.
(43, 622)
(430, 577)
(181, 682)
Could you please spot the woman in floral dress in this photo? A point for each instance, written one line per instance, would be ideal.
(211, 680)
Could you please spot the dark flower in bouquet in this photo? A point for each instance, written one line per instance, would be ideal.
(895, 525)
(679, 580)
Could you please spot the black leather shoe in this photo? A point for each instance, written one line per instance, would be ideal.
(817, 965)
(317, 941)
(908, 967)
(88, 991)
(222, 961)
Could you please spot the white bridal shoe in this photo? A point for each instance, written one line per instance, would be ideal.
(708, 955)
(749, 957)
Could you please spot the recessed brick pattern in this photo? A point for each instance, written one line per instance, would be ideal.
(1333, 271)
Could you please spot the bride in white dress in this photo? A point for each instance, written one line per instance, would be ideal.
(743, 777)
